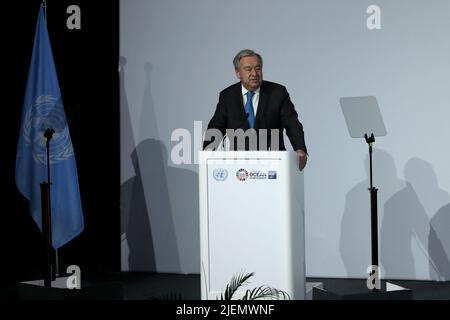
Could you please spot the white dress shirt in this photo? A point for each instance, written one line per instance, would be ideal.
(255, 98)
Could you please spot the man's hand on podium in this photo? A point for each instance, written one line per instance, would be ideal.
(302, 159)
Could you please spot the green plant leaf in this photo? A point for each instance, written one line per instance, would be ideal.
(260, 293)
(265, 293)
(235, 283)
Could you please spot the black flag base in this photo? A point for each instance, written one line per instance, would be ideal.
(46, 230)
(56, 282)
(49, 272)
(61, 289)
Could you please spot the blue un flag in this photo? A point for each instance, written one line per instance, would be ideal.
(43, 109)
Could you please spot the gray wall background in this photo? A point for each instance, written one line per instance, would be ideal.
(176, 57)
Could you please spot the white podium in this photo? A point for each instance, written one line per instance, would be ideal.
(251, 220)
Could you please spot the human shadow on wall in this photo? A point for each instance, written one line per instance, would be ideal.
(152, 158)
(406, 223)
(135, 222)
(172, 202)
(138, 253)
(167, 211)
(355, 241)
(439, 244)
(182, 184)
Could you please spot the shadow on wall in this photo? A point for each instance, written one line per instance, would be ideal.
(137, 249)
(410, 247)
(355, 241)
(439, 244)
(135, 225)
(405, 230)
(160, 230)
(404, 220)
(152, 159)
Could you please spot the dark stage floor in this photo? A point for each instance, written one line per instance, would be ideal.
(159, 286)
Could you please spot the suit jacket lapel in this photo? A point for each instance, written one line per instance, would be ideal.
(263, 98)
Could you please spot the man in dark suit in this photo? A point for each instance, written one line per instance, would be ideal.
(260, 105)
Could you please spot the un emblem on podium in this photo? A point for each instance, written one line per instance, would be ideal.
(220, 174)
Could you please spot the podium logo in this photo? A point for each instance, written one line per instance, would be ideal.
(242, 174)
(272, 175)
(257, 174)
(220, 174)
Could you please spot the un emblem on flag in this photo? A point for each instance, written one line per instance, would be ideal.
(47, 112)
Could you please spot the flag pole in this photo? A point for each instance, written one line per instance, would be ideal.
(44, 4)
(46, 203)
(45, 9)
(47, 215)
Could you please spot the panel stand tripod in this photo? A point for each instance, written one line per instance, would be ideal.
(373, 217)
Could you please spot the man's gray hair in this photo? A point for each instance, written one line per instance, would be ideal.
(245, 53)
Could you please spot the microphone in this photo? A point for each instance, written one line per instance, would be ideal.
(223, 141)
(48, 134)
